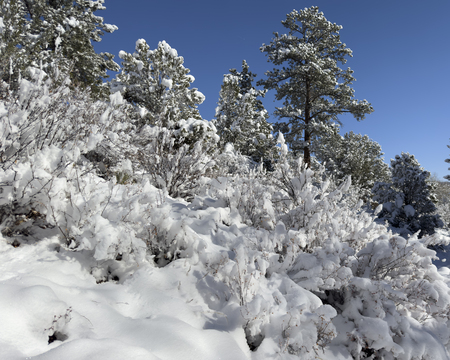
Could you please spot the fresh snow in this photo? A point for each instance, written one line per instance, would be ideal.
(179, 311)
(132, 261)
(152, 314)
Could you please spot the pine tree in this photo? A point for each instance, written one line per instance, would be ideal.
(240, 117)
(246, 79)
(355, 155)
(56, 35)
(447, 177)
(408, 200)
(157, 81)
(12, 37)
(314, 88)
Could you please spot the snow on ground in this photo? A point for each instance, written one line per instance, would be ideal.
(56, 302)
(154, 313)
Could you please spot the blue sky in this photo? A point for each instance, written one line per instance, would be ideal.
(401, 57)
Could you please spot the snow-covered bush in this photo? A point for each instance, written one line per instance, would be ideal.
(45, 179)
(248, 196)
(42, 114)
(175, 160)
(230, 162)
(408, 200)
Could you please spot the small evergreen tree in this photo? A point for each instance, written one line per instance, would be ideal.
(355, 155)
(408, 200)
(442, 191)
(157, 81)
(447, 177)
(314, 88)
(240, 116)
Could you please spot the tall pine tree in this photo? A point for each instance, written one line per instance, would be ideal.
(308, 78)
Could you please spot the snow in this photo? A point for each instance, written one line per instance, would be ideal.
(280, 265)
(153, 314)
(409, 210)
(72, 22)
(167, 83)
(177, 311)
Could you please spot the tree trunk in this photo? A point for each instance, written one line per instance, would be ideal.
(307, 138)
(306, 151)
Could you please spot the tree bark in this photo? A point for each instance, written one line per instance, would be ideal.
(307, 137)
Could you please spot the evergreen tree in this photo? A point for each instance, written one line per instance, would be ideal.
(246, 79)
(314, 88)
(447, 177)
(157, 81)
(12, 33)
(57, 34)
(355, 155)
(408, 200)
(240, 117)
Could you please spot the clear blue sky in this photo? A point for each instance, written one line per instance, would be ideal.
(401, 57)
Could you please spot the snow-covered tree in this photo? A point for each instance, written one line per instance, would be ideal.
(308, 78)
(157, 81)
(442, 191)
(172, 144)
(60, 32)
(447, 177)
(355, 155)
(240, 117)
(408, 199)
(12, 33)
(246, 79)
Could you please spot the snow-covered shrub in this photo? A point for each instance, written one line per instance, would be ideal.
(51, 112)
(175, 160)
(379, 284)
(277, 315)
(392, 302)
(305, 202)
(55, 184)
(230, 162)
(248, 197)
(46, 182)
(408, 200)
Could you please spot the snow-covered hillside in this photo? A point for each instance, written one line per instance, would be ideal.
(223, 291)
(99, 262)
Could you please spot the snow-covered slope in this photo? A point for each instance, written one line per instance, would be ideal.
(98, 263)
